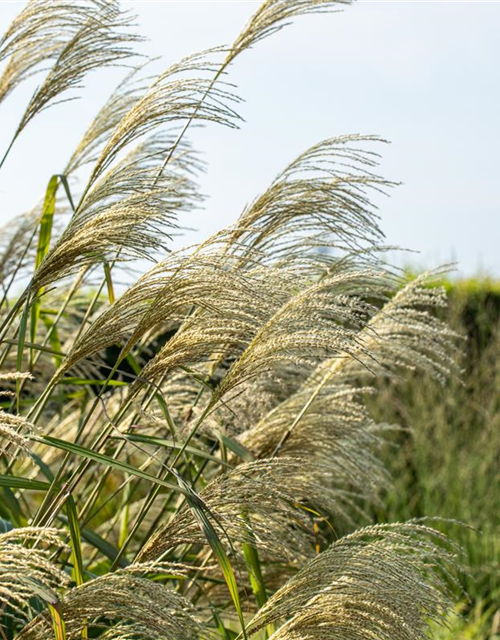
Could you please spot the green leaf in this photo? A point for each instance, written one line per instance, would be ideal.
(57, 622)
(227, 634)
(76, 541)
(44, 237)
(5, 525)
(199, 512)
(45, 593)
(170, 444)
(256, 579)
(45, 469)
(166, 414)
(78, 450)
(10, 507)
(55, 342)
(134, 365)
(90, 381)
(109, 282)
(98, 542)
(64, 182)
(105, 547)
(13, 482)
(45, 233)
(36, 347)
(20, 347)
(237, 448)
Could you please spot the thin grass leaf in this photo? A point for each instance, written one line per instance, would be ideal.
(118, 465)
(55, 342)
(237, 448)
(255, 571)
(14, 482)
(87, 381)
(44, 238)
(23, 327)
(98, 542)
(76, 541)
(170, 444)
(64, 181)
(12, 508)
(109, 282)
(213, 539)
(124, 517)
(46, 222)
(58, 622)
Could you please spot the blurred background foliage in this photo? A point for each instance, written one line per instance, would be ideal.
(447, 462)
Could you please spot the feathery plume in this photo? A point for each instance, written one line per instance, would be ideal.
(16, 247)
(123, 605)
(318, 207)
(78, 37)
(137, 173)
(407, 334)
(384, 582)
(16, 375)
(175, 96)
(336, 439)
(332, 208)
(403, 334)
(189, 279)
(131, 225)
(121, 101)
(257, 503)
(337, 305)
(27, 573)
(13, 428)
(273, 15)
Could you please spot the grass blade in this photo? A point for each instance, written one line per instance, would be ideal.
(98, 542)
(109, 282)
(11, 507)
(55, 341)
(237, 448)
(44, 237)
(76, 541)
(163, 442)
(64, 182)
(46, 222)
(13, 482)
(118, 465)
(255, 571)
(57, 622)
(76, 549)
(124, 516)
(20, 348)
(200, 513)
(91, 381)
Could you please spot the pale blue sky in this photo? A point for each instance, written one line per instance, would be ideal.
(424, 75)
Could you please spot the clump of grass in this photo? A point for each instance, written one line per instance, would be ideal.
(447, 464)
(198, 443)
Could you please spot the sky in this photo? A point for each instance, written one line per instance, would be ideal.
(423, 75)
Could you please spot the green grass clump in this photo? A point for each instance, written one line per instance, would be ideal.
(480, 623)
(448, 463)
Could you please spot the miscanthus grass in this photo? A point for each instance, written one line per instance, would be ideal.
(192, 457)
